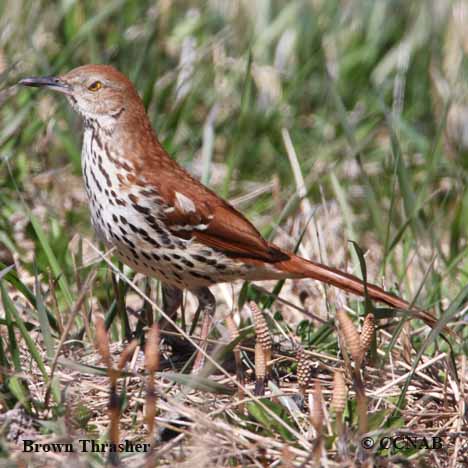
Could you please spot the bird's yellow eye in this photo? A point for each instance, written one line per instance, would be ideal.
(95, 86)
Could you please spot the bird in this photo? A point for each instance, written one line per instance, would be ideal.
(161, 221)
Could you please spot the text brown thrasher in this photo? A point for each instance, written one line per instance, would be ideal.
(160, 220)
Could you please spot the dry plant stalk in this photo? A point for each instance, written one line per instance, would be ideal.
(102, 341)
(262, 331)
(304, 366)
(367, 334)
(287, 457)
(352, 342)
(351, 336)
(152, 361)
(232, 328)
(102, 346)
(317, 417)
(260, 369)
(340, 392)
(234, 333)
(127, 354)
(405, 338)
(361, 404)
(152, 349)
(339, 398)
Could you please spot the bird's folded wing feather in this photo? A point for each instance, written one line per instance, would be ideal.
(217, 224)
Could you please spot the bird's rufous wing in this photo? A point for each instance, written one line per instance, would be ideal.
(194, 211)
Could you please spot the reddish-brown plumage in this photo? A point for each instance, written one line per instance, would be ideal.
(161, 220)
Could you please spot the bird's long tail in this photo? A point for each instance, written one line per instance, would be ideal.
(300, 267)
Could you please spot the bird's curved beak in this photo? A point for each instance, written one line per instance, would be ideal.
(52, 82)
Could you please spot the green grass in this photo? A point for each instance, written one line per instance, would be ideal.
(358, 87)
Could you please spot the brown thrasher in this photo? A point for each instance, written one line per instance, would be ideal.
(160, 220)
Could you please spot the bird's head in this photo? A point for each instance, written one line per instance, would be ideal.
(97, 92)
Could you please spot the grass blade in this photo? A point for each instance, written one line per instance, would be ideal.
(52, 259)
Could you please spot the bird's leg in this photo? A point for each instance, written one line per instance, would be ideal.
(207, 307)
(172, 300)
